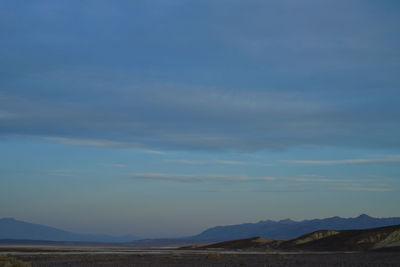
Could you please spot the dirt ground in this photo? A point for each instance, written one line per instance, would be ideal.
(215, 259)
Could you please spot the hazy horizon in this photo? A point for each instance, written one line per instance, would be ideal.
(180, 234)
(163, 118)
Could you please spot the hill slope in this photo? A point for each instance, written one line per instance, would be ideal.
(348, 240)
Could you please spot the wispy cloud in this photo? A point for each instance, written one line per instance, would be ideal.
(242, 178)
(91, 142)
(320, 180)
(257, 191)
(69, 172)
(197, 177)
(231, 162)
(302, 190)
(115, 165)
(185, 161)
(366, 189)
(102, 143)
(391, 159)
(61, 174)
(222, 162)
(152, 151)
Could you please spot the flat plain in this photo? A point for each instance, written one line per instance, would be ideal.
(204, 258)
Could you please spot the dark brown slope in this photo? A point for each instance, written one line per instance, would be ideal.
(248, 243)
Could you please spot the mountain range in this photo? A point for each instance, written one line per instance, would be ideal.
(373, 239)
(284, 229)
(13, 229)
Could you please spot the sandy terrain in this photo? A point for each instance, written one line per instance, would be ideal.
(211, 259)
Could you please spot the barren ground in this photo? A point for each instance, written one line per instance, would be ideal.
(214, 259)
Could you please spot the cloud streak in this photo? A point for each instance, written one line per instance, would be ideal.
(392, 159)
(113, 165)
(184, 161)
(234, 178)
(101, 143)
(231, 162)
(70, 172)
(198, 177)
(366, 189)
(218, 162)
(346, 189)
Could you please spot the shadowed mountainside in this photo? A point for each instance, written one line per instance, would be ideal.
(253, 242)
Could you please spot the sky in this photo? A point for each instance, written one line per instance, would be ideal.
(163, 118)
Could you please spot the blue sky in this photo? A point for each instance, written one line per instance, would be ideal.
(163, 118)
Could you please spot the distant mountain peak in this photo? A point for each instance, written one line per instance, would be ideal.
(364, 216)
(286, 221)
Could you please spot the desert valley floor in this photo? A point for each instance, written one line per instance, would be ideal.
(204, 258)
